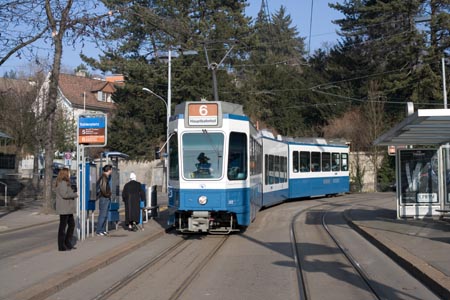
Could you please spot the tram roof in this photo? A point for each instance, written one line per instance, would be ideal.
(423, 127)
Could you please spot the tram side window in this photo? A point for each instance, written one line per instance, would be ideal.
(283, 160)
(255, 157)
(335, 162)
(295, 162)
(276, 169)
(326, 161)
(174, 167)
(237, 157)
(305, 161)
(315, 161)
(268, 169)
(344, 161)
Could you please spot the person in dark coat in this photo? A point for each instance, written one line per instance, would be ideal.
(132, 194)
(65, 207)
(104, 200)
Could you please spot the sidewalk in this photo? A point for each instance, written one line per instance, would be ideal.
(41, 272)
(420, 246)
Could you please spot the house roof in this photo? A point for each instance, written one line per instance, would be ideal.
(82, 90)
(15, 85)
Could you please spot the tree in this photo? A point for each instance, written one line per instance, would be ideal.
(55, 23)
(142, 34)
(17, 117)
(380, 41)
(273, 74)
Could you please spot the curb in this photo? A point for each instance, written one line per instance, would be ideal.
(59, 281)
(27, 226)
(435, 280)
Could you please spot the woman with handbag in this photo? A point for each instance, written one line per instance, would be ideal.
(65, 207)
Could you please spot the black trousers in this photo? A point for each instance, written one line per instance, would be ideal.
(65, 236)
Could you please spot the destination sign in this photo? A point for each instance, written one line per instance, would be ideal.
(201, 114)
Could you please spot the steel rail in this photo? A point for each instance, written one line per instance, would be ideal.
(365, 277)
(191, 277)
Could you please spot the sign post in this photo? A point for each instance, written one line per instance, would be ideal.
(91, 132)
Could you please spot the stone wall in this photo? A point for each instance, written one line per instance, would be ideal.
(149, 173)
(369, 181)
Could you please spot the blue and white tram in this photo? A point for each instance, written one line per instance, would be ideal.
(214, 179)
(318, 168)
(222, 171)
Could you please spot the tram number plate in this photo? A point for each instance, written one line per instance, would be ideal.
(203, 114)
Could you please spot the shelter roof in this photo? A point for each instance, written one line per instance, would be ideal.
(4, 136)
(423, 127)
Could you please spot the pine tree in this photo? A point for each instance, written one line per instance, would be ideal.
(137, 46)
(381, 42)
(274, 76)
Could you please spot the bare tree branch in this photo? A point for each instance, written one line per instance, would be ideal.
(23, 45)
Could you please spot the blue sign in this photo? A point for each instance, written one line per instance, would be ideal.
(92, 130)
(92, 122)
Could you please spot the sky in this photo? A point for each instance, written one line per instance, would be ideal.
(322, 30)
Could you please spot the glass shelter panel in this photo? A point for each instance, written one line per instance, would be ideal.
(419, 176)
(202, 155)
(447, 174)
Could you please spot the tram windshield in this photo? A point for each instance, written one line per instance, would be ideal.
(202, 154)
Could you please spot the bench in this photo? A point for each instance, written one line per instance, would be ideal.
(443, 212)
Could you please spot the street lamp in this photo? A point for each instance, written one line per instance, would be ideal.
(168, 104)
(167, 130)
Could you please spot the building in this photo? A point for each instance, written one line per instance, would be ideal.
(77, 95)
(80, 95)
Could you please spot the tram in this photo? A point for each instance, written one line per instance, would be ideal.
(222, 170)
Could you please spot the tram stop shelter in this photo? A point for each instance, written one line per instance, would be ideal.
(422, 143)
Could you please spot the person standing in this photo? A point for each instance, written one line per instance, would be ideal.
(65, 207)
(132, 195)
(104, 200)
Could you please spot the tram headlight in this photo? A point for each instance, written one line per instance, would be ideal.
(202, 200)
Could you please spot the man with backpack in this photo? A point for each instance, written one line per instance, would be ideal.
(104, 200)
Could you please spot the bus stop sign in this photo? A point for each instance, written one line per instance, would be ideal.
(92, 130)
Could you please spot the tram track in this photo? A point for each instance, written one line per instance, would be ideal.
(372, 284)
(304, 290)
(163, 260)
(350, 258)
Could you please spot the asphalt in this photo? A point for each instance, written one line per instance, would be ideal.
(422, 246)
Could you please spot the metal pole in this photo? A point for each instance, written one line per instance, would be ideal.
(169, 105)
(443, 82)
(83, 194)
(78, 185)
(216, 92)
